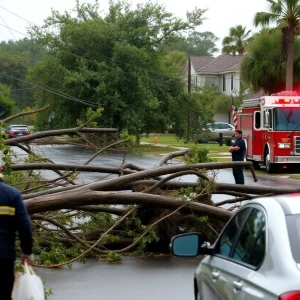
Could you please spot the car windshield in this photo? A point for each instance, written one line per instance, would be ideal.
(19, 128)
(293, 225)
(287, 118)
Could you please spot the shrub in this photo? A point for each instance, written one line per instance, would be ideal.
(203, 136)
(228, 141)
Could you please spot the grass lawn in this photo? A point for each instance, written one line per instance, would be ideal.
(172, 140)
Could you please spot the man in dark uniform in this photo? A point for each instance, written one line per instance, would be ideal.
(238, 153)
(13, 218)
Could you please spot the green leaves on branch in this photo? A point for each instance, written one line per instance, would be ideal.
(90, 117)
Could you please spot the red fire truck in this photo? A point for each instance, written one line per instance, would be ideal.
(271, 128)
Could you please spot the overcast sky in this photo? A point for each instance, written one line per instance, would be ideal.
(221, 14)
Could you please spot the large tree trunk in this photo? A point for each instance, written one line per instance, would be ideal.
(290, 63)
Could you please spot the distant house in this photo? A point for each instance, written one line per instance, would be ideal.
(222, 71)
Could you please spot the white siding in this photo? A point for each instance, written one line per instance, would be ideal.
(222, 117)
(229, 77)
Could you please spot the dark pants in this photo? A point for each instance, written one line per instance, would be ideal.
(238, 174)
(7, 278)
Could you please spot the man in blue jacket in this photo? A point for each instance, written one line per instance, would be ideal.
(238, 154)
(13, 218)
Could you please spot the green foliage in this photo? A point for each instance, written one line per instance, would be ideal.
(90, 116)
(262, 68)
(149, 238)
(6, 102)
(228, 141)
(48, 291)
(58, 254)
(198, 155)
(286, 15)
(112, 61)
(192, 112)
(237, 40)
(203, 136)
(16, 57)
(176, 60)
(113, 257)
(196, 43)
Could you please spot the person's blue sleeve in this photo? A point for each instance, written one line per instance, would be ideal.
(240, 143)
(23, 226)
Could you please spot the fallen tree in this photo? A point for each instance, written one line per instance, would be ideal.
(137, 209)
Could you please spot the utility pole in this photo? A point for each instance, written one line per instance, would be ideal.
(189, 75)
(188, 108)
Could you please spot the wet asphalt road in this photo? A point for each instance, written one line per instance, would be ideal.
(135, 278)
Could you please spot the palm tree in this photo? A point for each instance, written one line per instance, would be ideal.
(237, 40)
(286, 14)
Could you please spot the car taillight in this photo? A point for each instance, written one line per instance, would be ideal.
(290, 296)
(27, 132)
(11, 132)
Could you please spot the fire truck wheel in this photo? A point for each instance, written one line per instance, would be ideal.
(270, 168)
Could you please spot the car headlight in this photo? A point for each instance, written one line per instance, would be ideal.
(284, 145)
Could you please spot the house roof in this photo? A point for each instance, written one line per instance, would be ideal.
(222, 64)
(199, 62)
(256, 95)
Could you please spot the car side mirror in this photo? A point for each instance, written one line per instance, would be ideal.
(188, 245)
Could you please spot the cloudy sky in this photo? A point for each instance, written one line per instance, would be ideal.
(221, 14)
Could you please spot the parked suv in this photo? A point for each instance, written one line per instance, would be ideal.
(17, 130)
(212, 131)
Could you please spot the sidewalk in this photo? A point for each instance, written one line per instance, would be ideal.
(163, 145)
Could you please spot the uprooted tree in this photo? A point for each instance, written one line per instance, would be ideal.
(136, 210)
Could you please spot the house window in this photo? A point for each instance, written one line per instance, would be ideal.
(210, 80)
(224, 83)
(232, 82)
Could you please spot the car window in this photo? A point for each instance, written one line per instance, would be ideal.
(212, 126)
(230, 233)
(250, 247)
(19, 128)
(293, 225)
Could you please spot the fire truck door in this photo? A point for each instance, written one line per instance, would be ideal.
(257, 136)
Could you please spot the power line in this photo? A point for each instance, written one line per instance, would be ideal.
(51, 91)
(15, 30)
(16, 15)
(9, 29)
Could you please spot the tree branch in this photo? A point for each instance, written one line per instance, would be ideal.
(24, 114)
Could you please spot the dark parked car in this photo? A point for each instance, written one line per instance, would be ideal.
(17, 130)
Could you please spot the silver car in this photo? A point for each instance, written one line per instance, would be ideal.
(220, 127)
(257, 255)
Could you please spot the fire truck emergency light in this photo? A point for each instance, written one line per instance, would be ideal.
(284, 101)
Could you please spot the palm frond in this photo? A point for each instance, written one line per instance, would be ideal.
(264, 18)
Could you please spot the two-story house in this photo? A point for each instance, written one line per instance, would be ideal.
(222, 71)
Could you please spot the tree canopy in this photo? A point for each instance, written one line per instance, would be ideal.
(286, 14)
(263, 68)
(112, 61)
(237, 40)
(196, 43)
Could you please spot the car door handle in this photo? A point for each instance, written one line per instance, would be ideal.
(238, 285)
(215, 275)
